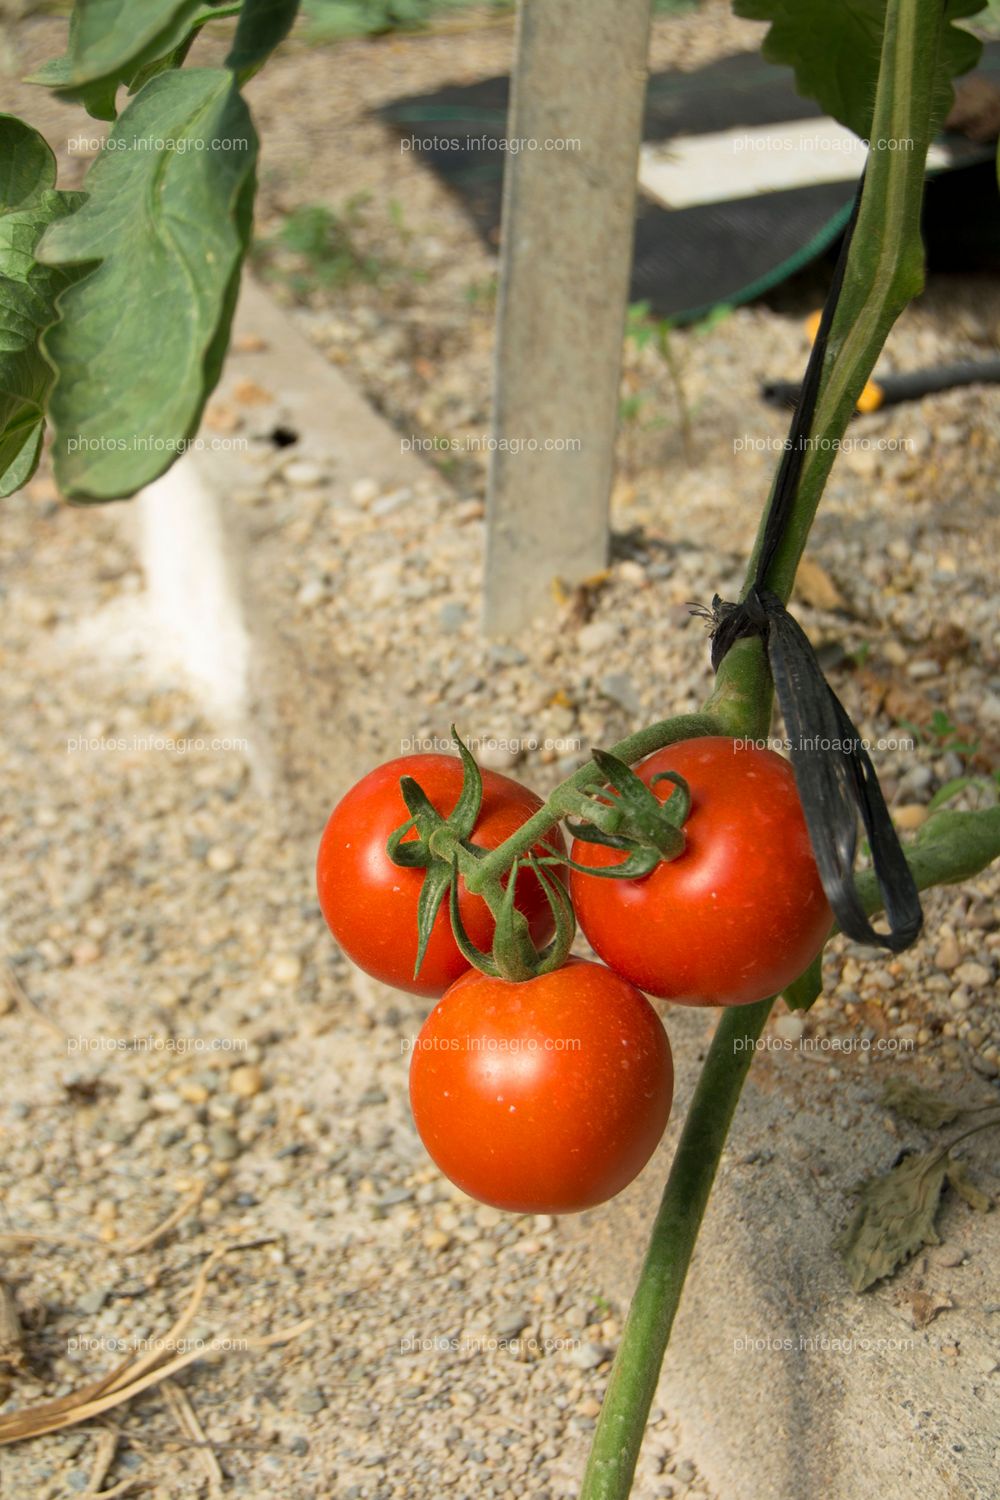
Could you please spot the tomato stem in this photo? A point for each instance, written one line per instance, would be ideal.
(884, 270)
(650, 1318)
(478, 874)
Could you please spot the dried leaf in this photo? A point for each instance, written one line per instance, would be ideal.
(925, 1306)
(894, 1218)
(815, 587)
(136, 1373)
(924, 1107)
(958, 1180)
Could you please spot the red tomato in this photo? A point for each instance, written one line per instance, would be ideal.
(741, 912)
(370, 904)
(546, 1096)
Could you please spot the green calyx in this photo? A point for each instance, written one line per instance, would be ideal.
(635, 821)
(515, 956)
(443, 848)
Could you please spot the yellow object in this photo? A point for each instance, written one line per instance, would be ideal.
(872, 396)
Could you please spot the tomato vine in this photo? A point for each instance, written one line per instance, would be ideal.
(457, 871)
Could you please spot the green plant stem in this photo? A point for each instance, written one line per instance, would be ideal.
(480, 874)
(951, 846)
(650, 1318)
(884, 270)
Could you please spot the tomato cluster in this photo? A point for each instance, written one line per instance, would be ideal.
(550, 1093)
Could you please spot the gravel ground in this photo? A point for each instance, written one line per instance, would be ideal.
(151, 894)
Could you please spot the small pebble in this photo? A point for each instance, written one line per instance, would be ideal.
(303, 474)
(790, 1028)
(910, 816)
(619, 687)
(220, 859)
(286, 968)
(312, 592)
(363, 492)
(510, 1322)
(310, 1402)
(588, 1356)
(246, 1081)
(494, 755)
(976, 976)
(452, 616)
(92, 1301)
(949, 1255)
(393, 1196)
(948, 955)
(436, 1241)
(222, 1143)
(597, 636)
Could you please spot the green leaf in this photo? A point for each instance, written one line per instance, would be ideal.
(262, 25)
(558, 897)
(477, 959)
(513, 949)
(465, 813)
(435, 887)
(640, 860)
(958, 1181)
(925, 1107)
(411, 854)
(834, 50)
(948, 791)
(803, 992)
(646, 817)
(174, 58)
(140, 341)
(894, 1218)
(420, 807)
(112, 42)
(29, 203)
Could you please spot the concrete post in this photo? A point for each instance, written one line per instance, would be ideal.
(568, 214)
